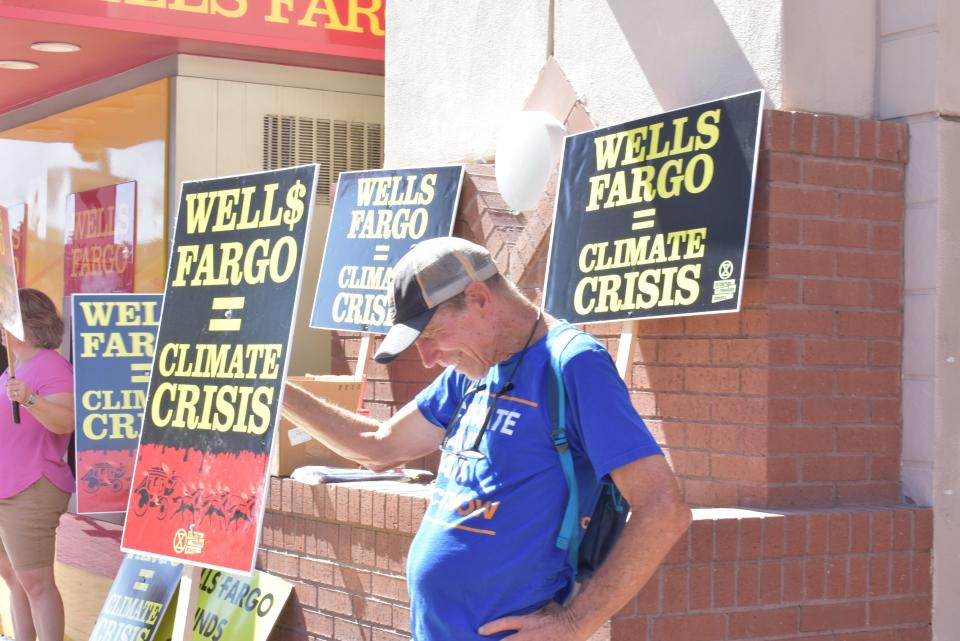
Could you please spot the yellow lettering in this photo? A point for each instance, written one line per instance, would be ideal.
(360, 309)
(656, 287)
(370, 12)
(385, 224)
(240, 9)
(232, 263)
(222, 408)
(583, 301)
(110, 426)
(277, 9)
(200, 6)
(707, 127)
(326, 8)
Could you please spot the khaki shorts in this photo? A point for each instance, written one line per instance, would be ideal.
(28, 525)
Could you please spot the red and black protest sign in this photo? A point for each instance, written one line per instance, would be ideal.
(218, 371)
(378, 215)
(100, 240)
(652, 215)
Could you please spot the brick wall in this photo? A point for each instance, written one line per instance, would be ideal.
(344, 548)
(817, 575)
(795, 400)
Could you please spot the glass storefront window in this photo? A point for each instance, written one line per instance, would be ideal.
(113, 140)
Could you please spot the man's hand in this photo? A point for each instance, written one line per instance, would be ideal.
(659, 517)
(552, 622)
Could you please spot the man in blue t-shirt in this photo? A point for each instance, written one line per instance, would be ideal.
(484, 563)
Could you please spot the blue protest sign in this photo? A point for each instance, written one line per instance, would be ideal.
(137, 600)
(113, 341)
(377, 216)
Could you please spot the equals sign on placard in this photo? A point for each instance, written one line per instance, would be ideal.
(228, 304)
(643, 219)
(381, 253)
(142, 585)
(140, 372)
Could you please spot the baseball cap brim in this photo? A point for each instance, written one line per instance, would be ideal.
(401, 336)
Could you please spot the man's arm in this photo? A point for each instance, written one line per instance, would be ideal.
(659, 517)
(379, 446)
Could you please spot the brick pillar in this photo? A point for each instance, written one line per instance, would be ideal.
(796, 399)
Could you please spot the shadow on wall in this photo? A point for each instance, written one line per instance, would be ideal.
(685, 60)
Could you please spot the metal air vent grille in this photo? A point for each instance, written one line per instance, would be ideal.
(338, 145)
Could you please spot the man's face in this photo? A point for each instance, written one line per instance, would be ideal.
(458, 338)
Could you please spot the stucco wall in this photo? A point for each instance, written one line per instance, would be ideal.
(829, 56)
(454, 72)
(656, 55)
(457, 71)
(906, 89)
(946, 498)
(948, 80)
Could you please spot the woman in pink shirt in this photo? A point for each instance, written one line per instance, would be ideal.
(35, 482)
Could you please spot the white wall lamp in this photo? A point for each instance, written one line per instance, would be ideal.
(527, 151)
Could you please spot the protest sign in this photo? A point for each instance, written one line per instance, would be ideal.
(218, 372)
(377, 216)
(113, 339)
(137, 600)
(18, 237)
(98, 255)
(233, 608)
(652, 215)
(10, 316)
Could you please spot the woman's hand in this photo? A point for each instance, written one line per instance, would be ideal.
(18, 390)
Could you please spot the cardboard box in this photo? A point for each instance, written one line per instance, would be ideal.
(294, 447)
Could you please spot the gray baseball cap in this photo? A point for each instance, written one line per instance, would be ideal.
(430, 273)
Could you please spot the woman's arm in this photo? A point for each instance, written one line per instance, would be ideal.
(54, 412)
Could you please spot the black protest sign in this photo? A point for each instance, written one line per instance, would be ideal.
(137, 599)
(652, 215)
(377, 216)
(221, 356)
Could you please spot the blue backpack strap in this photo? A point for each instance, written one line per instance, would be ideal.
(569, 537)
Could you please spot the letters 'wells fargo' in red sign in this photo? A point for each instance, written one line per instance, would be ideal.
(101, 229)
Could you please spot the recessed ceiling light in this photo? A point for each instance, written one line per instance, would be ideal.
(55, 47)
(18, 64)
